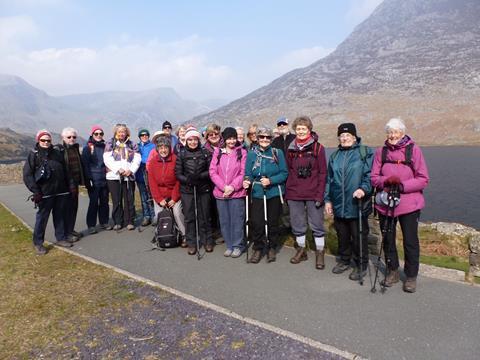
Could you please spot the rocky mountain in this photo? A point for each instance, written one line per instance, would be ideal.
(14, 146)
(26, 109)
(415, 59)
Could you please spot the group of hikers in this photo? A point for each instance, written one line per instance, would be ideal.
(217, 182)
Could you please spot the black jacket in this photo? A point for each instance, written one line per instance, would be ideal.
(282, 143)
(192, 168)
(57, 183)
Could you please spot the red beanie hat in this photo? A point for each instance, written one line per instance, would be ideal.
(41, 133)
(95, 128)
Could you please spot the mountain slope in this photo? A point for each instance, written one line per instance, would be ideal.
(418, 59)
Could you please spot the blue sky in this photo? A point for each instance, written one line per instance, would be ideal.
(203, 49)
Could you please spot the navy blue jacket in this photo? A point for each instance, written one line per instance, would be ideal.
(92, 157)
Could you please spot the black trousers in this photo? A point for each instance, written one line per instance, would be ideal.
(411, 244)
(349, 240)
(257, 222)
(203, 218)
(98, 205)
(123, 209)
(71, 213)
(55, 205)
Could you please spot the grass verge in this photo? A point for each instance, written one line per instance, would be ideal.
(48, 299)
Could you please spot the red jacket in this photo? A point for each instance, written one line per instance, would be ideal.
(161, 177)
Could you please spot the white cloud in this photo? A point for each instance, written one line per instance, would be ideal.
(300, 58)
(128, 66)
(13, 29)
(359, 10)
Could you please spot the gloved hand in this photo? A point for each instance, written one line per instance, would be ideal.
(318, 204)
(192, 179)
(392, 180)
(37, 197)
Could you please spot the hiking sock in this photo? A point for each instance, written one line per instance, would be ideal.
(320, 243)
(301, 241)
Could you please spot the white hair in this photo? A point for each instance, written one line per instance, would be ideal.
(68, 130)
(240, 128)
(395, 124)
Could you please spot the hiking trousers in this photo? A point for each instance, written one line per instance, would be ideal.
(55, 205)
(204, 221)
(231, 213)
(349, 240)
(123, 209)
(257, 220)
(98, 205)
(71, 213)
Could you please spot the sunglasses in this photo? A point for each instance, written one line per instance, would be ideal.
(98, 133)
(45, 140)
(71, 137)
(214, 134)
(264, 137)
(167, 127)
(141, 135)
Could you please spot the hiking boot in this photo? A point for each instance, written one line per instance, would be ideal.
(130, 227)
(392, 278)
(256, 257)
(236, 253)
(271, 255)
(301, 255)
(107, 227)
(410, 285)
(72, 239)
(355, 275)
(228, 252)
(117, 227)
(183, 243)
(92, 230)
(146, 222)
(77, 234)
(320, 259)
(209, 248)
(63, 243)
(192, 250)
(340, 268)
(40, 250)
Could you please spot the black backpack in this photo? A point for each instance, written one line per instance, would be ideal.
(166, 232)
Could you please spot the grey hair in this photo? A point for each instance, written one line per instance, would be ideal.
(264, 130)
(240, 128)
(396, 124)
(67, 130)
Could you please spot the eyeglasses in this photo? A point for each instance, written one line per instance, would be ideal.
(214, 134)
(167, 127)
(141, 135)
(251, 134)
(98, 133)
(45, 140)
(71, 137)
(282, 124)
(261, 137)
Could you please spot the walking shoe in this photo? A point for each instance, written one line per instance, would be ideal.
(192, 250)
(106, 227)
(72, 239)
(228, 252)
(320, 259)
(271, 255)
(146, 222)
(209, 248)
(92, 230)
(392, 278)
(355, 275)
(301, 255)
(236, 253)
(77, 234)
(183, 243)
(117, 227)
(40, 250)
(256, 257)
(130, 227)
(410, 285)
(340, 268)
(63, 243)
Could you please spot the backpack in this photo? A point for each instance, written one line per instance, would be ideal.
(166, 232)
(408, 157)
(363, 153)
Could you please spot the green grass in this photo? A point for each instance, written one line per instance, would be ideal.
(47, 299)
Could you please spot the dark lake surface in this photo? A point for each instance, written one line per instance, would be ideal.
(453, 193)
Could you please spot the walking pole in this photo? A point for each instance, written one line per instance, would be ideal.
(196, 220)
(246, 225)
(267, 242)
(360, 240)
(120, 198)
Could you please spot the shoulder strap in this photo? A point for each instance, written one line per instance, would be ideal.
(384, 155)
(275, 155)
(408, 154)
(363, 152)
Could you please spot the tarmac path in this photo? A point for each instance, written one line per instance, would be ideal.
(439, 321)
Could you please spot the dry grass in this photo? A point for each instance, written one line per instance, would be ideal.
(46, 300)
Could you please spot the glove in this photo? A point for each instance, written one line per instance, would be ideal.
(192, 179)
(392, 180)
(318, 204)
(37, 197)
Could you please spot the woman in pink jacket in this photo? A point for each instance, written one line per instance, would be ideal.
(227, 170)
(400, 165)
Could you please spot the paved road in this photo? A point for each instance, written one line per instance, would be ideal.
(440, 321)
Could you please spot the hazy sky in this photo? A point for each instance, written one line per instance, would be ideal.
(203, 49)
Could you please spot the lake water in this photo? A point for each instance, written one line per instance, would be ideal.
(453, 193)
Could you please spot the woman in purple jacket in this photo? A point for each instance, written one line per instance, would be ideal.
(307, 174)
(400, 165)
(227, 170)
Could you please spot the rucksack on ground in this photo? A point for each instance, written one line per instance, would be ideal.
(166, 232)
